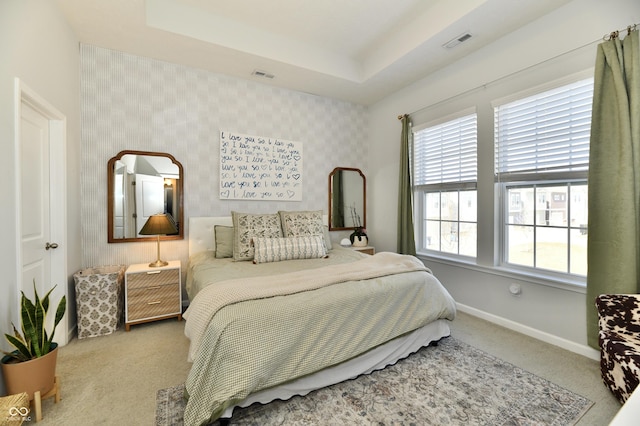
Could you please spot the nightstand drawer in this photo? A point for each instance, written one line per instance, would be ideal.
(152, 293)
(153, 278)
(153, 301)
(366, 249)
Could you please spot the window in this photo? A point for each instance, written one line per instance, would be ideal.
(541, 164)
(445, 175)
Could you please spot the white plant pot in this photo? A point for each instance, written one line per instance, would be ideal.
(360, 241)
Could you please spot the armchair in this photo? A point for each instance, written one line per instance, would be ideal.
(619, 338)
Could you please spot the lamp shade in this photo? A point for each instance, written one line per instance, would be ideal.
(159, 224)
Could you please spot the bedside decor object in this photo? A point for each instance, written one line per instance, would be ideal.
(31, 367)
(345, 242)
(99, 300)
(359, 237)
(159, 224)
(152, 293)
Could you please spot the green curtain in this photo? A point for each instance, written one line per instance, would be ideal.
(614, 176)
(406, 239)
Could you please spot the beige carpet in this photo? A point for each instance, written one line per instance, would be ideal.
(113, 380)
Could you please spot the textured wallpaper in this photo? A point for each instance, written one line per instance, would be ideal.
(137, 103)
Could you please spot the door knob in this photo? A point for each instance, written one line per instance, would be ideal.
(51, 246)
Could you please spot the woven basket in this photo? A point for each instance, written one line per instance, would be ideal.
(14, 409)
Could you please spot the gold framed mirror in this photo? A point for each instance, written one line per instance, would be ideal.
(141, 184)
(347, 199)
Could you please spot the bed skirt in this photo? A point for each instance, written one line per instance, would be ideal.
(374, 359)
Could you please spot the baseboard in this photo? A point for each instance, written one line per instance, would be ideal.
(583, 350)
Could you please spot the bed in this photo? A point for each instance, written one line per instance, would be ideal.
(269, 323)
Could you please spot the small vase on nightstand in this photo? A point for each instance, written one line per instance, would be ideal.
(360, 241)
(359, 237)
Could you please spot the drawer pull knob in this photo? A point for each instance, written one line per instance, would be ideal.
(154, 303)
(154, 288)
(153, 272)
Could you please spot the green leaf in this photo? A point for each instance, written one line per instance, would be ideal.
(62, 307)
(34, 341)
(23, 351)
(28, 310)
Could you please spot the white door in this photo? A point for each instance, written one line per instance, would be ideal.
(149, 198)
(35, 195)
(41, 210)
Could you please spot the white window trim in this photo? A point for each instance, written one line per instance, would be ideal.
(545, 276)
(517, 87)
(440, 120)
(554, 84)
(563, 283)
(419, 190)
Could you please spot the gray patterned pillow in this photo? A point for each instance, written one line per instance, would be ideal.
(248, 226)
(303, 223)
(300, 223)
(278, 249)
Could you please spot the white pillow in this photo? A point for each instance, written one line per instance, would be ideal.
(288, 248)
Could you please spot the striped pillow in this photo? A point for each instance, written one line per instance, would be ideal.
(277, 249)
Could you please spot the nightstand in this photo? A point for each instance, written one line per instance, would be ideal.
(152, 293)
(366, 249)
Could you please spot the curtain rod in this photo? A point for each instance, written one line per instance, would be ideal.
(615, 34)
(630, 28)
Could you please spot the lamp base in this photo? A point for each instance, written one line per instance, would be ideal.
(158, 263)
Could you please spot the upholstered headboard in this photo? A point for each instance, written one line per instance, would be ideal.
(201, 231)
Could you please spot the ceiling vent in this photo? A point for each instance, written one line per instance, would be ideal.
(263, 74)
(457, 40)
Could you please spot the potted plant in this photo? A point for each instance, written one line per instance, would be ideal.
(31, 367)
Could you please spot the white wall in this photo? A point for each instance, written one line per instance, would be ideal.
(550, 48)
(36, 45)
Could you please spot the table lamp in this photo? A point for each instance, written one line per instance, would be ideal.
(159, 224)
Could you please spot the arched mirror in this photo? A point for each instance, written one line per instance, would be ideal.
(141, 184)
(347, 199)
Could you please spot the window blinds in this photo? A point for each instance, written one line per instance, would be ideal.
(447, 152)
(544, 134)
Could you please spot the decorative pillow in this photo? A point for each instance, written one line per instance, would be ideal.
(247, 226)
(288, 248)
(224, 241)
(301, 223)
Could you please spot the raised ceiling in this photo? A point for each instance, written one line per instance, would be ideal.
(356, 50)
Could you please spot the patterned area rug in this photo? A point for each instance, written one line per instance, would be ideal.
(449, 384)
